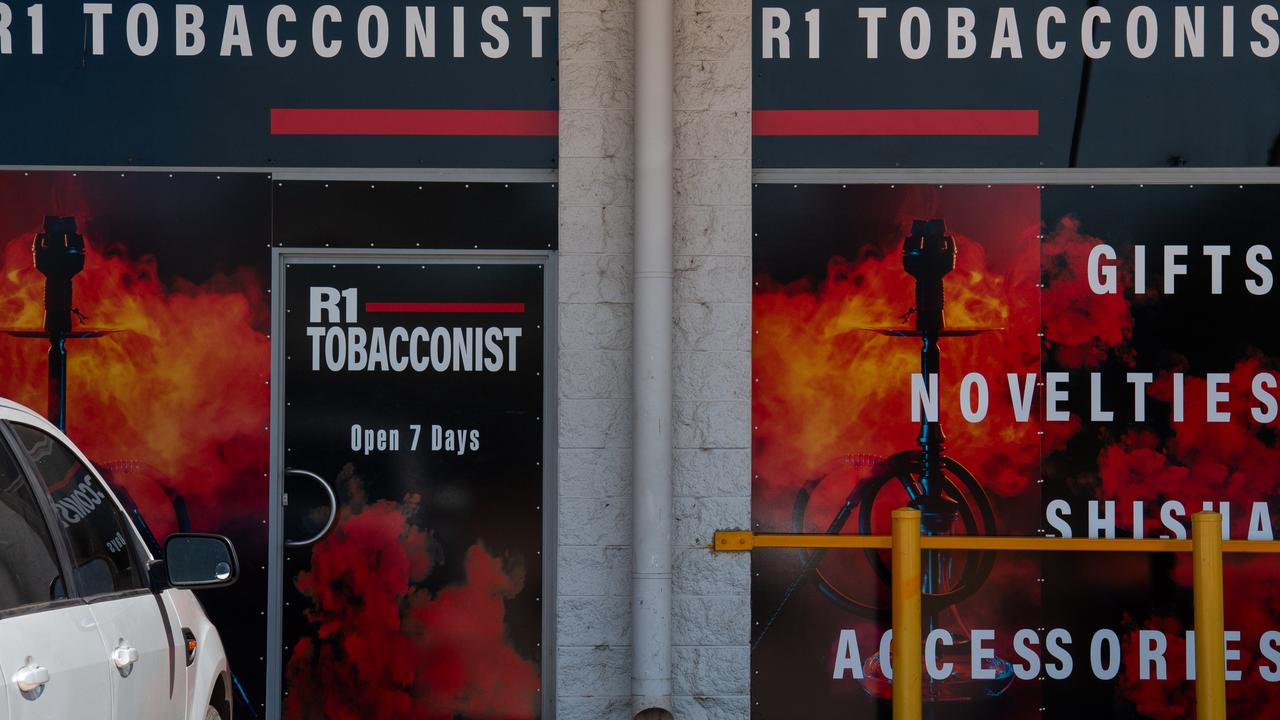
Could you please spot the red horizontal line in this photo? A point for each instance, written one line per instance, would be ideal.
(895, 122)
(338, 121)
(416, 307)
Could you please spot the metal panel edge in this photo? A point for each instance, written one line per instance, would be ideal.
(476, 175)
(1030, 176)
(275, 514)
(550, 477)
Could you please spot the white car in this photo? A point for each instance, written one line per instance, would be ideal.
(91, 625)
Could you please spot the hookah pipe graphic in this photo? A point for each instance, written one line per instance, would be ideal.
(942, 489)
(59, 255)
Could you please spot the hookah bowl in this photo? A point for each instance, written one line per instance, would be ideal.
(59, 256)
(957, 688)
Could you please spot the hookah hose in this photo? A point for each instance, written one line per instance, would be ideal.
(901, 466)
(811, 562)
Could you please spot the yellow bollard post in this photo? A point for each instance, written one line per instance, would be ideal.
(906, 646)
(1206, 562)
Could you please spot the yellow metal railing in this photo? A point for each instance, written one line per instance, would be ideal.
(1206, 547)
(906, 605)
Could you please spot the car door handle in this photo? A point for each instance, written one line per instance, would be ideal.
(124, 657)
(31, 678)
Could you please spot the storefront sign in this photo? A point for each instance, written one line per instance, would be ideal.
(213, 84)
(990, 84)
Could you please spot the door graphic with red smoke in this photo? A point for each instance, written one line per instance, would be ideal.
(415, 387)
(412, 383)
(1104, 367)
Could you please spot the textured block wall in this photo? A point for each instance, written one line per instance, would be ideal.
(712, 599)
(593, 628)
(712, 326)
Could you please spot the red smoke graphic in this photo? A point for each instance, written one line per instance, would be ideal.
(1237, 462)
(177, 398)
(1250, 583)
(1082, 327)
(1192, 461)
(384, 648)
(178, 401)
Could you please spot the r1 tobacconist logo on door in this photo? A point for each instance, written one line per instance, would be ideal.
(339, 345)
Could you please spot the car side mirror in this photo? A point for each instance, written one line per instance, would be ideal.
(200, 561)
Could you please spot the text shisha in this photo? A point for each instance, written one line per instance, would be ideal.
(949, 498)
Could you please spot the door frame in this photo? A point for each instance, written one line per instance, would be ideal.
(280, 257)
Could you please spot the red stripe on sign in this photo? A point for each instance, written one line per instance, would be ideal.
(334, 121)
(414, 307)
(896, 122)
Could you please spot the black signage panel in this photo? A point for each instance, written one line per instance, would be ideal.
(268, 84)
(996, 84)
(406, 215)
(414, 388)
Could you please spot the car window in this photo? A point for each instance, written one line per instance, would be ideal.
(29, 572)
(98, 535)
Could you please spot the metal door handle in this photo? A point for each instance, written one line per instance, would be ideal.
(31, 678)
(124, 657)
(333, 507)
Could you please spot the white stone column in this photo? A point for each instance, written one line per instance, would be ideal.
(712, 601)
(593, 628)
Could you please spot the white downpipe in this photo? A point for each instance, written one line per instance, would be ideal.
(651, 341)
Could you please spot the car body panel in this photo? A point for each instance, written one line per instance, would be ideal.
(88, 631)
(152, 689)
(66, 641)
(211, 659)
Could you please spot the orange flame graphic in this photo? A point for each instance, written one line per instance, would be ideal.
(179, 393)
(824, 388)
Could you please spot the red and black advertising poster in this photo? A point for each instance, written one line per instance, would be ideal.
(416, 384)
(405, 349)
(1063, 361)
